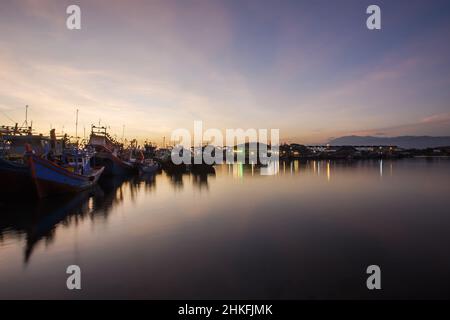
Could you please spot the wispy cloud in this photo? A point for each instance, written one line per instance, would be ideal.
(158, 65)
(443, 118)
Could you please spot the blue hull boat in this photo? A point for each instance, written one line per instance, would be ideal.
(49, 178)
(70, 174)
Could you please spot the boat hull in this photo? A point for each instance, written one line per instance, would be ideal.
(148, 168)
(202, 168)
(50, 179)
(113, 165)
(15, 178)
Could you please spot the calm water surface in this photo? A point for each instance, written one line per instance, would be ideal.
(308, 232)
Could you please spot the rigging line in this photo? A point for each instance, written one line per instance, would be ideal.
(8, 117)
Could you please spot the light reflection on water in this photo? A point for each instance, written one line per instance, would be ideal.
(308, 231)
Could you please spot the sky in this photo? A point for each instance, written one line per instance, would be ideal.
(309, 68)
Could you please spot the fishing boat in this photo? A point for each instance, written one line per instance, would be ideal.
(136, 155)
(70, 173)
(14, 172)
(148, 166)
(109, 153)
(149, 150)
(164, 157)
(163, 154)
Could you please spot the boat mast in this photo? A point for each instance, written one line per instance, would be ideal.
(76, 127)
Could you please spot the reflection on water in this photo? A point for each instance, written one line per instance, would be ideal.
(286, 230)
(36, 221)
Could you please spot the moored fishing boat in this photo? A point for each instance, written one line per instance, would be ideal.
(135, 155)
(114, 166)
(71, 173)
(108, 153)
(148, 166)
(14, 172)
(164, 157)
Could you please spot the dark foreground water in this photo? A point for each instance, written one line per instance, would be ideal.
(308, 232)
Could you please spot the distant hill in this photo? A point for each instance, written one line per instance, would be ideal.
(409, 142)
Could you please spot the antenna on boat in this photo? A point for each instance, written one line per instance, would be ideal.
(123, 132)
(25, 124)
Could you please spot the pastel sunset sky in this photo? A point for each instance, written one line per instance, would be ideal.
(310, 68)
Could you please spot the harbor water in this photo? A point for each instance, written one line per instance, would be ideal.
(309, 231)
